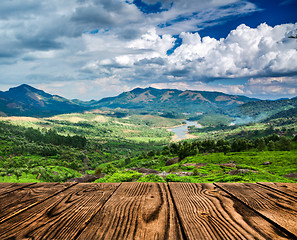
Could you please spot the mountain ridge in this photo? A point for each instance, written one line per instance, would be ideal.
(25, 100)
(174, 100)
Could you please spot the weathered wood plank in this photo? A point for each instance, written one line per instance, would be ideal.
(288, 188)
(207, 212)
(16, 201)
(274, 205)
(136, 211)
(9, 187)
(63, 216)
(4, 186)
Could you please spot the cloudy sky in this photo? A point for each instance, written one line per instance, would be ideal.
(89, 49)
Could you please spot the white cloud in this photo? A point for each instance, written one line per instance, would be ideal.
(264, 88)
(86, 90)
(151, 41)
(274, 86)
(201, 86)
(189, 16)
(245, 52)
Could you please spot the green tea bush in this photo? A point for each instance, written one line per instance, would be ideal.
(151, 178)
(176, 178)
(121, 176)
(196, 172)
(108, 168)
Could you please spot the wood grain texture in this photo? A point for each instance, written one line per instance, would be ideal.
(274, 205)
(207, 212)
(9, 187)
(288, 188)
(62, 216)
(136, 211)
(16, 201)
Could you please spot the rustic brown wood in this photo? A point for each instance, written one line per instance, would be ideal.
(207, 212)
(274, 205)
(9, 187)
(62, 216)
(19, 200)
(136, 211)
(288, 188)
(146, 211)
(4, 186)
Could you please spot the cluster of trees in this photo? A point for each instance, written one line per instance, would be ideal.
(270, 143)
(25, 147)
(51, 136)
(43, 136)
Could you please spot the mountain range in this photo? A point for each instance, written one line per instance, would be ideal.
(26, 100)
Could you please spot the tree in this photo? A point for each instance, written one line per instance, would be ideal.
(261, 144)
(284, 144)
(271, 146)
(17, 173)
(223, 146)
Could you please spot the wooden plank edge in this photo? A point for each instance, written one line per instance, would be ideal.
(276, 189)
(34, 204)
(293, 236)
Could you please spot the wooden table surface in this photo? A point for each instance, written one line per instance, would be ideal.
(148, 211)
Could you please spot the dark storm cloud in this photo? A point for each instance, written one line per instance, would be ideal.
(19, 8)
(40, 43)
(98, 17)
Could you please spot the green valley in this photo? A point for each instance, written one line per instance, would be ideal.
(106, 148)
(129, 138)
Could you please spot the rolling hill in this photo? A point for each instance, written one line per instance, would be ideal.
(267, 107)
(290, 113)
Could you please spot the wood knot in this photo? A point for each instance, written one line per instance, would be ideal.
(205, 215)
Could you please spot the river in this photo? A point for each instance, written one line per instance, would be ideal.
(181, 131)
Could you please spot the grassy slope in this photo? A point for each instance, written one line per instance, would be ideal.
(282, 163)
(215, 168)
(109, 138)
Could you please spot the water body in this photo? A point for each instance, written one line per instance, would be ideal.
(181, 131)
